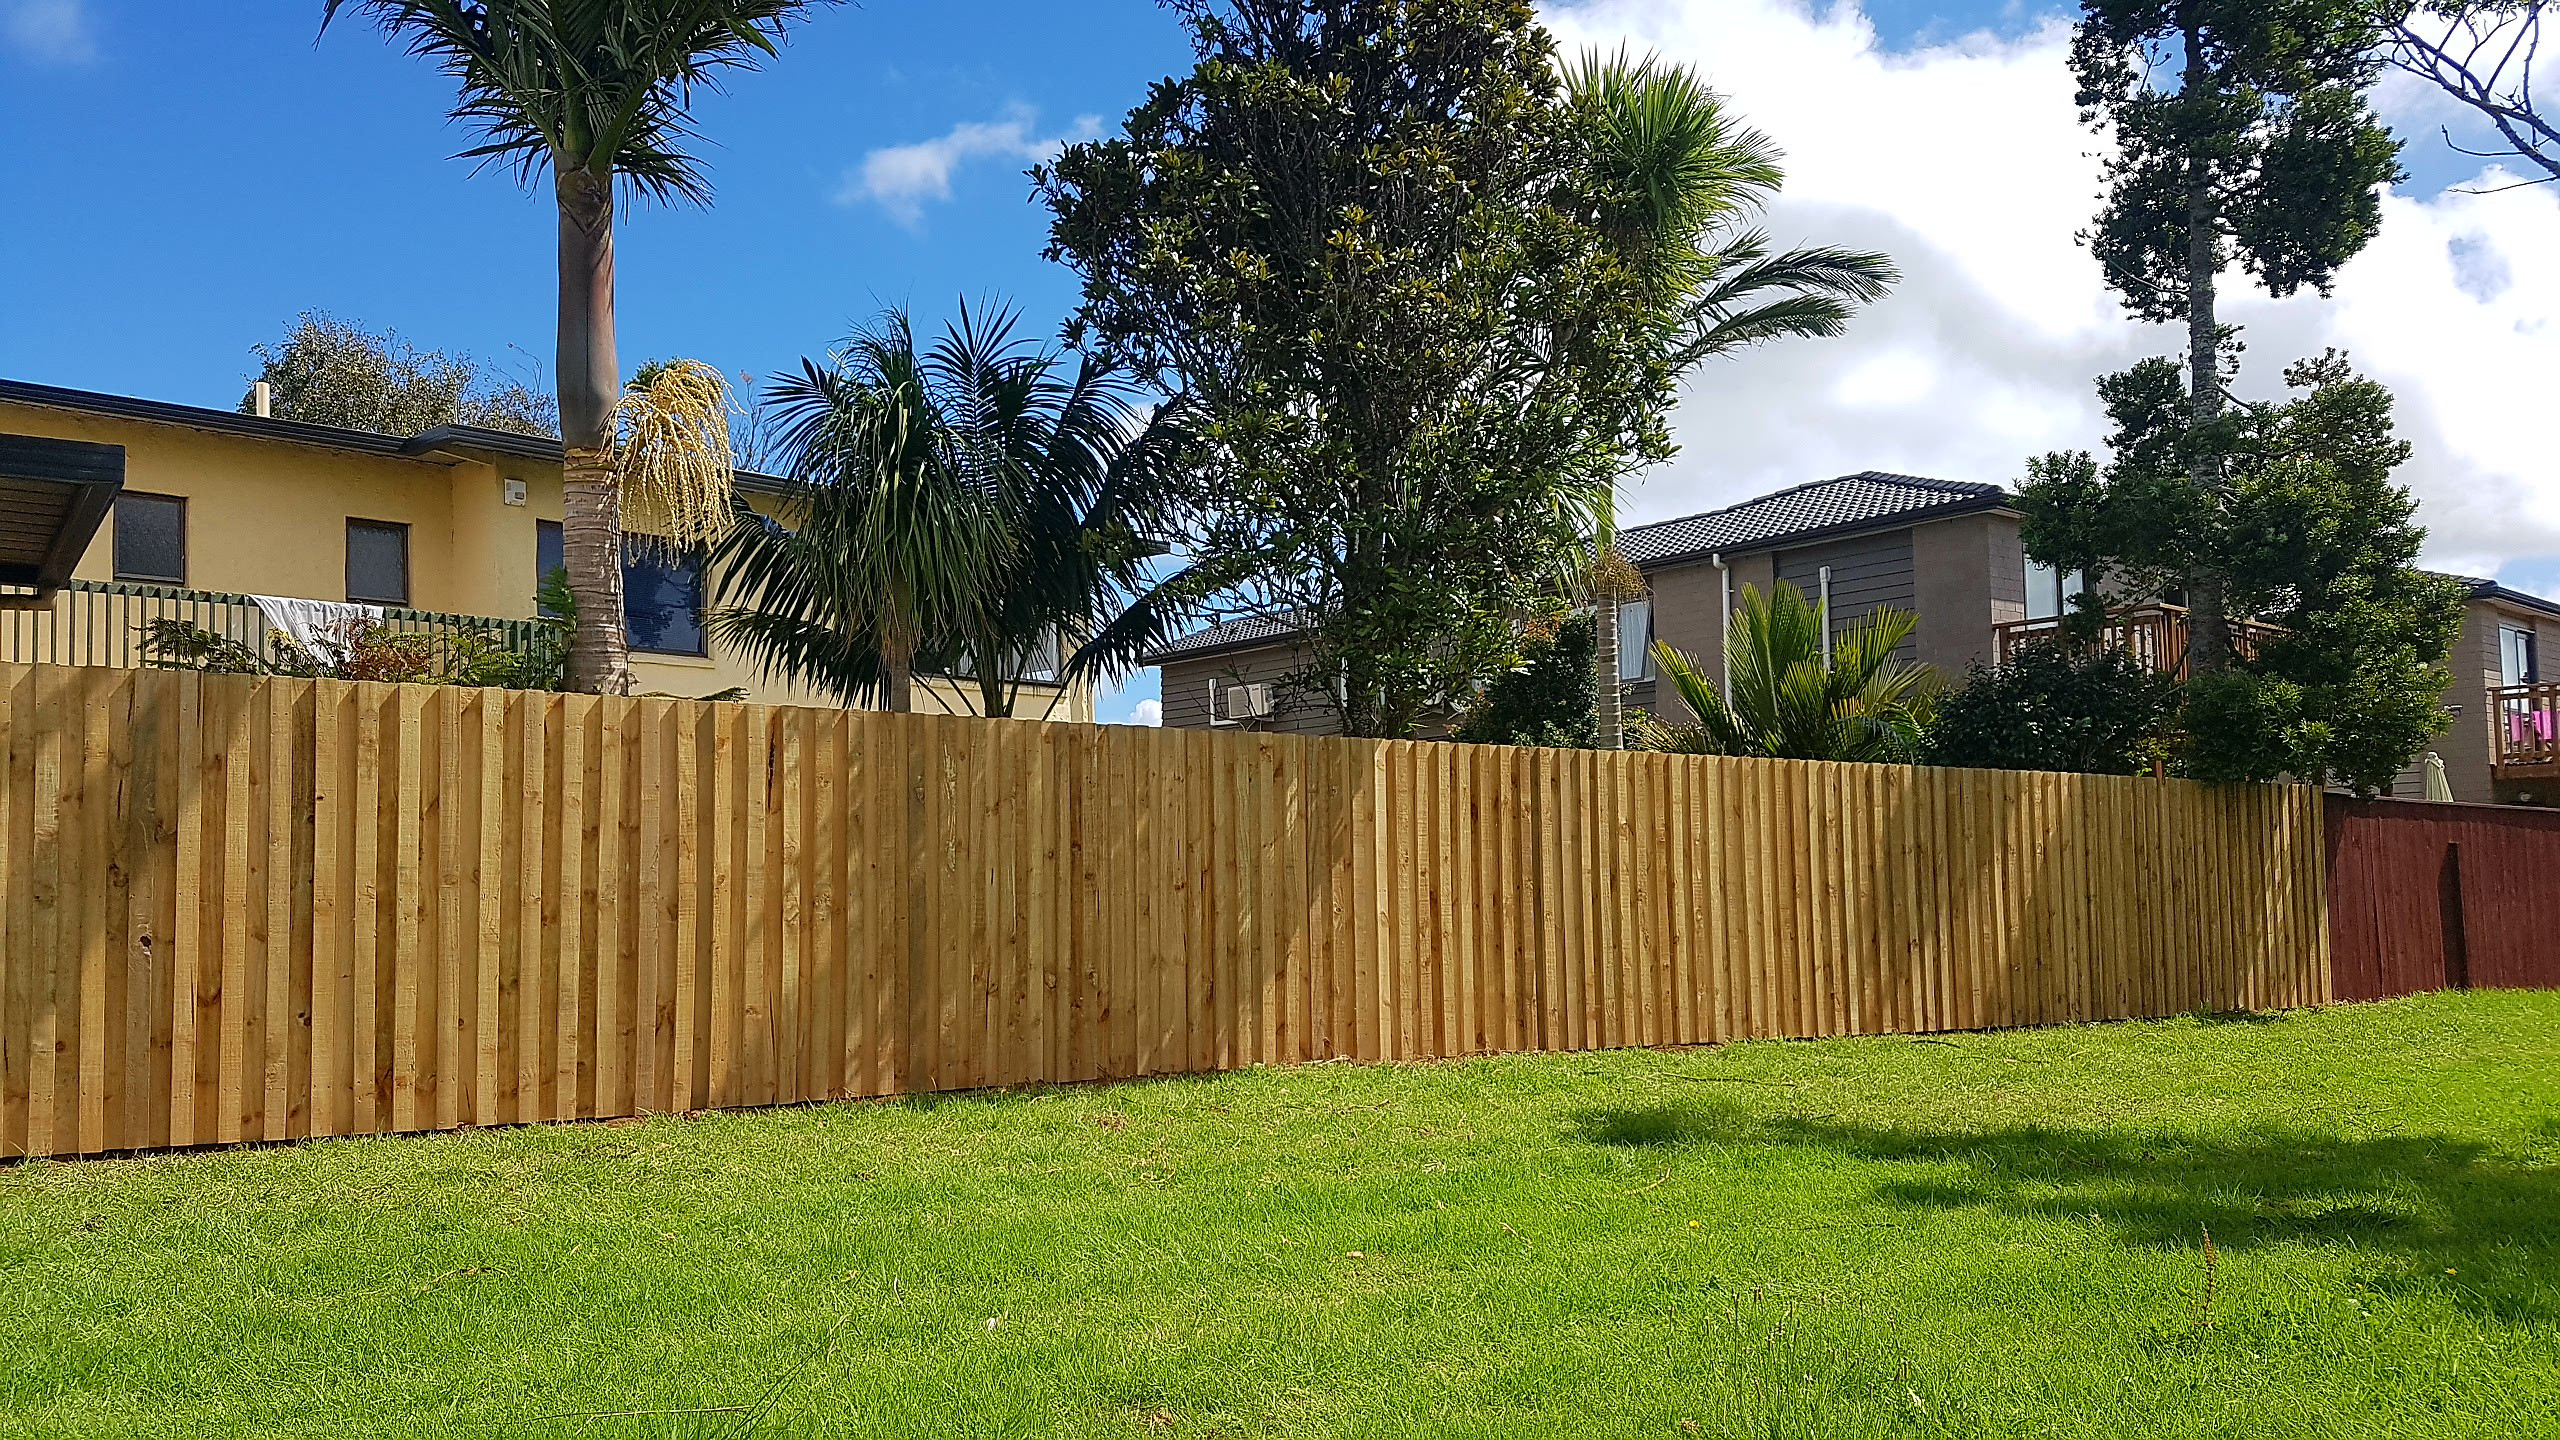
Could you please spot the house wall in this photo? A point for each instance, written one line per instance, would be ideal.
(1969, 577)
(1868, 573)
(2469, 746)
(1187, 685)
(269, 517)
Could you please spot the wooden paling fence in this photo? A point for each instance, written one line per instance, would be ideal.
(242, 909)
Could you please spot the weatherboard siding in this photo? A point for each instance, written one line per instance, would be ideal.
(1187, 685)
(1868, 572)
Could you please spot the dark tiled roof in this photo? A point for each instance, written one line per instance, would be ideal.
(1233, 635)
(1793, 515)
(1851, 502)
(2491, 590)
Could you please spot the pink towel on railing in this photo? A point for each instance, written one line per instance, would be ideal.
(2530, 729)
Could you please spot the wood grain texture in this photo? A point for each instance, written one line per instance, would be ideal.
(242, 909)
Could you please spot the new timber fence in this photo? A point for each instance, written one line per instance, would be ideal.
(243, 909)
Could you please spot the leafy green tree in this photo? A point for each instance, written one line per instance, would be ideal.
(2311, 536)
(1671, 177)
(1549, 699)
(2053, 706)
(2241, 133)
(328, 371)
(1791, 700)
(597, 93)
(1352, 236)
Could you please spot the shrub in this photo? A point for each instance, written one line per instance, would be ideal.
(1550, 699)
(2052, 707)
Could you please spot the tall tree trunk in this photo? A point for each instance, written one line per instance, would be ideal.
(897, 687)
(2208, 624)
(1612, 724)
(993, 701)
(589, 381)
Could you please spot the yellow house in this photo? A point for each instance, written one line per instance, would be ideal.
(440, 528)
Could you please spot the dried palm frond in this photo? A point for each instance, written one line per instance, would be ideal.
(671, 455)
(1612, 577)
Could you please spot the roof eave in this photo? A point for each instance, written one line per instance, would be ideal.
(1950, 510)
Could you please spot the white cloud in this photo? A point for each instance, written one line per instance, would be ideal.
(1966, 161)
(901, 178)
(1147, 712)
(52, 31)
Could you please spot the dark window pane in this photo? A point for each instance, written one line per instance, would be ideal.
(377, 562)
(662, 601)
(549, 554)
(151, 539)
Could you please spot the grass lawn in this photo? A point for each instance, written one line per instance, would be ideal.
(1968, 1235)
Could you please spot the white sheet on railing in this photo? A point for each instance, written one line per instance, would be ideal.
(310, 622)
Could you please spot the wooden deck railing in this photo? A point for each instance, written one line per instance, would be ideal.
(2156, 635)
(2527, 723)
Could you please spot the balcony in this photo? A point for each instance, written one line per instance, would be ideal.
(2155, 635)
(2526, 724)
(100, 623)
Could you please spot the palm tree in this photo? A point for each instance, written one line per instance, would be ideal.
(1791, 699)
(1671, 174)
(893, 522)
(1097, 481)
(597, 93)
(970, 507)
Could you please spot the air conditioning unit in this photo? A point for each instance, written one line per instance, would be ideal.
(1248, 702)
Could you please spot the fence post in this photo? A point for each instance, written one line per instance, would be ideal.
(2457, 952)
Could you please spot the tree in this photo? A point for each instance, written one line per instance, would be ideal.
(893, 522)
(2241, 132)
(1791, 700)
(2058, 706)
(328, 371)
(1549, 699)
(977, 504)
(1096, 483)
(1669, 177)
(2482, 53)
(2310, 535)
(1349, 237)
(597, 93)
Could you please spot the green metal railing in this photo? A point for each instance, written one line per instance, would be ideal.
(102, 623)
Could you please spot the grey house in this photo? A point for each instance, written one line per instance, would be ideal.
(1943, 549)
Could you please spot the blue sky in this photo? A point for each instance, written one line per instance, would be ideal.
(182, 178)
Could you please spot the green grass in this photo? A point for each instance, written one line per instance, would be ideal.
(1968, 1235)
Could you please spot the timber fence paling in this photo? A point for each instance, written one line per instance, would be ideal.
(239, 909)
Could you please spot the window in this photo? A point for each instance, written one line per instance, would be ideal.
(2519, 657)
(1635, 640)
(377, 562)
(662, 600)
(2048, 589)
(550, 553)
(151, 539)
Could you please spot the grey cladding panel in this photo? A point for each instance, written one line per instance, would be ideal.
(1867, 571)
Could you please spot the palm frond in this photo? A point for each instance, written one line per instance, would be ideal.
(602, 86)
(1865, 704)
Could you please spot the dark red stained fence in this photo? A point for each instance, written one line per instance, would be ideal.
(2431, 897)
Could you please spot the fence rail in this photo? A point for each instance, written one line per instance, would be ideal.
(96, 622)
(241, 909)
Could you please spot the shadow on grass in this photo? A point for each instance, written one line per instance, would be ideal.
(2463, 1218)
